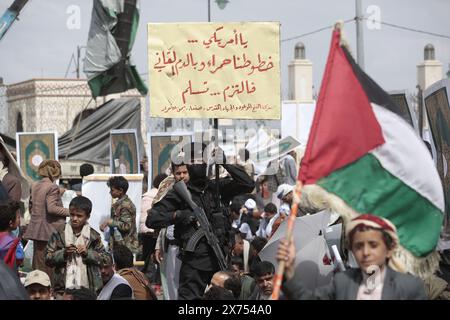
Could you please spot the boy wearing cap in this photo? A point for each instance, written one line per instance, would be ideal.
(37, 284)
(372, 240)
(76, 251)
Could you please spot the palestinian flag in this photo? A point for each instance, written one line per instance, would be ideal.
(362, 152)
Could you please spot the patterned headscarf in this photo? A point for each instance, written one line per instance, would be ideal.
(50, 169)
(376, 222)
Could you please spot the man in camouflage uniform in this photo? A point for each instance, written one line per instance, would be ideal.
(122, 225)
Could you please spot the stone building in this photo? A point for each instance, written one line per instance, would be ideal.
(53, 104)
(39, 105)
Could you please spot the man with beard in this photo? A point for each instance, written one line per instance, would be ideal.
(198, 267)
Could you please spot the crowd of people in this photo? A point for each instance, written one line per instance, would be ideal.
(181, 261)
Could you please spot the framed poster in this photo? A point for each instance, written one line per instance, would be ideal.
(33, 148)
(124, 152)
(437, 107)
(96, 189)
(160, 147)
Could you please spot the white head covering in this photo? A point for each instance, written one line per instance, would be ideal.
(250, 204)
(284, 189)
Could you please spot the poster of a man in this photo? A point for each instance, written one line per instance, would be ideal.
(160, 149)
(124, 153)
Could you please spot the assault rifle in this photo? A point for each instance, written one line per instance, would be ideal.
(204, 227)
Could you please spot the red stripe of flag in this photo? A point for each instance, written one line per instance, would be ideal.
(344, 127)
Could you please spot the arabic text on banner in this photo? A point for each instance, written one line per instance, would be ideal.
(212, 70)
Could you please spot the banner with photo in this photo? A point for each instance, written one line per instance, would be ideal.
(437, 107)
(215, 70)
(96, 189)
(124, 152)
(160, 147)
(33, 148)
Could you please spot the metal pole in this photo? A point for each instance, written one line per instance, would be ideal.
(209, 10)
(216, 131)
(359, 35)
(78, 62)
(420, 109)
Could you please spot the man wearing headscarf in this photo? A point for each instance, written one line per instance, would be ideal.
(198, 267)
(47, 212)
(372, 240)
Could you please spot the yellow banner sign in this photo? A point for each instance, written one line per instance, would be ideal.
(214, 70)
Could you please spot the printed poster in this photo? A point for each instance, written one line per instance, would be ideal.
(160, 150)
(33, 148)
(124, 152)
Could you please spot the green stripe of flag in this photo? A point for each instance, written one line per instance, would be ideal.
(368, 188)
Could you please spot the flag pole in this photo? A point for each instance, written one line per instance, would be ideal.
(216, 136)
(278, 278)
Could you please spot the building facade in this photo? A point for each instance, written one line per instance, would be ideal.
(53, 104)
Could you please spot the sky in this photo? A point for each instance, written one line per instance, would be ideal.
(41, 44)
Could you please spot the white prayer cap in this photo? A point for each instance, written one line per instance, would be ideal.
(250, 204)
(283, 190)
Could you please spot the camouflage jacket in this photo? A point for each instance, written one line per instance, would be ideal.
(54, 257)
(123, 214)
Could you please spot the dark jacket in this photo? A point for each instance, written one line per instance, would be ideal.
(345, 285)
(10, 286)
(161, 215)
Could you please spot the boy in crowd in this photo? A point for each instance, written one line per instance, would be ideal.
(269, 216)
(372, 240)
(123, 216)
(11, 251)
(76, 252)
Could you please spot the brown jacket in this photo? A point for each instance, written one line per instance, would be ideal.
(12, 186)
(139, 283)
(47, 213)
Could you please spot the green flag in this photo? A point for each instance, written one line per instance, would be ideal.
(108, 65)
